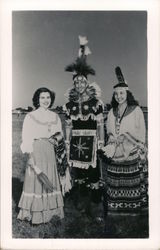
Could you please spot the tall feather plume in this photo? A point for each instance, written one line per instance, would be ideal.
(119, 75)
(80, 67)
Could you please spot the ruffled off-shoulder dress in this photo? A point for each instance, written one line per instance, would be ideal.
(37, 204)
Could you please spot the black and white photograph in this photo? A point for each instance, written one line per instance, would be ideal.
(80, 84)
(80, 166)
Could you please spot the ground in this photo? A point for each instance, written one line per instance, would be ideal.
(75, 224)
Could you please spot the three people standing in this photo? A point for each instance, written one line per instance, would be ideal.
(47, 176)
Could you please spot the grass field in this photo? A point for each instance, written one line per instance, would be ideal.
(74, 225)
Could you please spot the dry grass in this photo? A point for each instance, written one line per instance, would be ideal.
(74, 225)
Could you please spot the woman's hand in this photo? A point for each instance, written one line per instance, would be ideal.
(67, 146)
(30, 161)
(46, 182)
(41, 176)
(100, 144)
(111, 139)
(109, 150)
(120, 139)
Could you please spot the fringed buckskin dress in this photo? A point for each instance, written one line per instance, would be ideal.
(127, 179)
(37, 204)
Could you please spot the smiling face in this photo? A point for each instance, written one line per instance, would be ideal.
(80, 83)
(44, 100)
(120, 95)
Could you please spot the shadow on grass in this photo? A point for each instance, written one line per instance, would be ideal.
(17, 186)
(127, 227)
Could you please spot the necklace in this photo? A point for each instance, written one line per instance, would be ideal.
(82, 98)
(119, 119)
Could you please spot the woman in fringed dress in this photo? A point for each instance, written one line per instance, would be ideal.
(41, 198)
(127, 178)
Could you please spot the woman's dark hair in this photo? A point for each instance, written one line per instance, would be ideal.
(36, 96)
(130, 100)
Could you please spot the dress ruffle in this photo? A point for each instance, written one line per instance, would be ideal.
(36, 203)
(41, 202)
(40, 217)
(40, 208)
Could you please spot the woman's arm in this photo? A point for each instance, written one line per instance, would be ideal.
(27, 135)
(110, 126)
(137, 132)
(41, 176)
(100, 130)
(140, 125)
(68, 128)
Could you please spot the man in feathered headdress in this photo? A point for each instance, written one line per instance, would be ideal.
(84, 130)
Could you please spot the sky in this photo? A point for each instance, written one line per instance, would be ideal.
(45, 42)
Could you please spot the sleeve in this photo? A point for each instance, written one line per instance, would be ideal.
(137, 132)
(27, 135)
(109, 123)
(140, 125)
(100, 124)
(58, 125)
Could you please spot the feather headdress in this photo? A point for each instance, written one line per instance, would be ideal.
(80, 66)
(120, 77)
(93, 90)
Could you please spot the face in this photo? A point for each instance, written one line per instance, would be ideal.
(80, 83)
(45, 100)
(120, 95)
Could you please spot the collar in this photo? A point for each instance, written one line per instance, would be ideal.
(128, 111)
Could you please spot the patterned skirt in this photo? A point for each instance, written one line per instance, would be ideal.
(127, 186)
(36, 203)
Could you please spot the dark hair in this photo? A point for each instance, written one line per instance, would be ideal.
(130, 100)
(36, 96)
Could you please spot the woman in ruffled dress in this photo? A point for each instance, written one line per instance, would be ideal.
(42, 198)
(126, 151)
